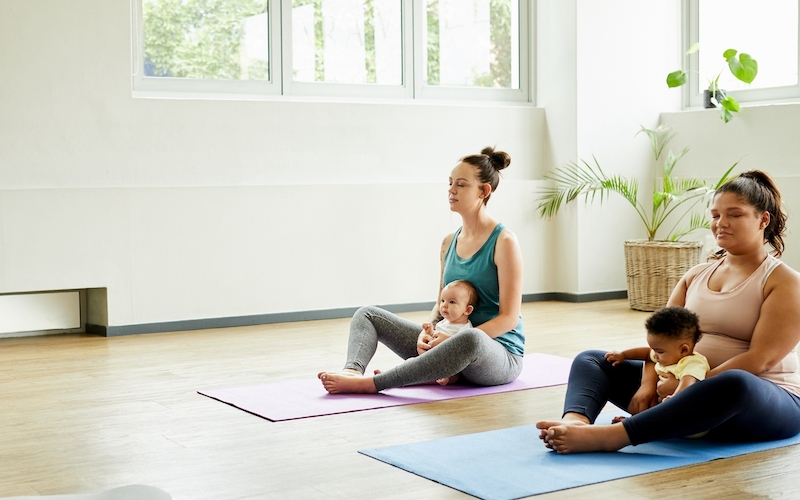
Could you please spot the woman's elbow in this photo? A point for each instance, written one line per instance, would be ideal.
(508, 322)
(767, 366)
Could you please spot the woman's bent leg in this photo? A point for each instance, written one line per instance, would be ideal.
(734, 406)
(593, 382)
(478, 357)
(371, 325)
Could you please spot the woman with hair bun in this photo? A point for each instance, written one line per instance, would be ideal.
(483, 252)
(748, 303)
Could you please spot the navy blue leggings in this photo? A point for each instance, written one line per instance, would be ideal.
(733, 406)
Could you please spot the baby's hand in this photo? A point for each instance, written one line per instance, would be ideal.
(438, 338)
(428, 328)
(448, 380)
(424, 339)
(615, 358)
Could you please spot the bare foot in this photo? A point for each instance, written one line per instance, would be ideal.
(347, 382)
(617, 420)
(567, 419)
(448, 380)
(582, 438)
(345, 371)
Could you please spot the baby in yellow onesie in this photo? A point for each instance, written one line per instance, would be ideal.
(672, 333)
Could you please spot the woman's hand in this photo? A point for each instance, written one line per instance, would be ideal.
(438, 338)
(666, 385)
(425, 338)
(646, 397)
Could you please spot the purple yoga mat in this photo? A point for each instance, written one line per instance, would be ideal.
(307, 398)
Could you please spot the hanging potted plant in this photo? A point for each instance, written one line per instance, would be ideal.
(741, 65)
(653, 266)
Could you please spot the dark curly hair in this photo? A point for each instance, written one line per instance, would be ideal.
(674, 322)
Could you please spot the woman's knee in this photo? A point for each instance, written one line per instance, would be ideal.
(731, 384)
(368, 312)
(594, 356)
(469, 339)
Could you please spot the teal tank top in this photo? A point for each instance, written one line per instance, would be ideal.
(481, 271)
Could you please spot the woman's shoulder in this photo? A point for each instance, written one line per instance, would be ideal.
(506, 234)
(506, 240)
(446, 246)
(692, 273)
(782, 275)
(447, 240)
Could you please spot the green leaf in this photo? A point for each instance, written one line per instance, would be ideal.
(713, 85)
(745, 68)
(694, 48)
(671, 160)
(724, 114)
(729, 53)
(574, 180)
(659, 137)
(725, 177)
(676, 79)
(659, 199)
(696, 221)
(730, 104)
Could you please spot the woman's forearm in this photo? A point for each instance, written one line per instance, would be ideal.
(498, 325)
(435, 316)
(747, 361)
(649, 375)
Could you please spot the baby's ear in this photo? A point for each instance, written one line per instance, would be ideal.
(685, 349)
(469, 309)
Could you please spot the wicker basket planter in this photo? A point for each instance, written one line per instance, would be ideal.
(653, 268)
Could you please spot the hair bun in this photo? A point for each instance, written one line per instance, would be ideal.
(499, 159)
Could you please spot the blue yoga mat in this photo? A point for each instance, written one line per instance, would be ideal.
(513, 463)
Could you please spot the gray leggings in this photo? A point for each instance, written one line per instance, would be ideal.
(473, 354)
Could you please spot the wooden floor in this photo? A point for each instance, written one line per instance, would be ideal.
(81, 414)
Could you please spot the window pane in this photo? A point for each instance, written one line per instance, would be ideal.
(767, 30)
(347, 41)
(473, 43)
(210, 39)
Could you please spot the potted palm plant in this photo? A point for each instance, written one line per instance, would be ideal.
(741, 65)
(653, 265)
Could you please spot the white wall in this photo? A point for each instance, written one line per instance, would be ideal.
(190, 209)
(602, 67)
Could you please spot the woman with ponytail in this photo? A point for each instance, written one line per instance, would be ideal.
(748, 303)
(483, 252)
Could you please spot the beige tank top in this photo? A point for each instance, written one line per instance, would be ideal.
(727, 320)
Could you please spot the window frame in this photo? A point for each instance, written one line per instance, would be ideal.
(693, 91)
(445, 92)
(198, 87)
(366, 90)
(282, 86)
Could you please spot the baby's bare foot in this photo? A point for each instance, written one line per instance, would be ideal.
(448, 380)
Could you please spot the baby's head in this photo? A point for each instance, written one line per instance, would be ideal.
(672, 333)
(459, 299)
